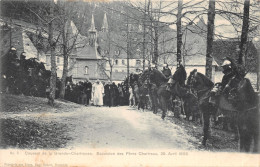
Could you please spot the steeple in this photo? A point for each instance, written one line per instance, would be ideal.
(92, 27)
(105, 24)
(92, 33)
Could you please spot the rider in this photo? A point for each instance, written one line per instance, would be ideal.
(166, 71)
(229, 73)
(230, 70)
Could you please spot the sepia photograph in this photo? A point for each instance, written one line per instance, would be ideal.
(129, 83)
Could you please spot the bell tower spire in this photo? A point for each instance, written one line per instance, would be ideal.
(105, 24)
(92, 32)
(92, 27)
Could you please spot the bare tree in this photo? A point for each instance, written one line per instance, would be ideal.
(210, 36)
(245, 27)
(179, 32)
(53, 55)
(71, 39)
(109, 50)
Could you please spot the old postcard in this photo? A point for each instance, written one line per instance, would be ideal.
(129, 83)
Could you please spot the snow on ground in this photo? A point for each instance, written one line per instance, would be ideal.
(115, 127)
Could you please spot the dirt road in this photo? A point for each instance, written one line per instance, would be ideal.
(115, 127)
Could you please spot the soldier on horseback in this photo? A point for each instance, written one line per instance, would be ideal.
(231, 71)
(166, 71)
(228, 71)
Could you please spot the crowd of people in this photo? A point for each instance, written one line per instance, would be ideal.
(98, 93)
(23, 76)
(29, 77)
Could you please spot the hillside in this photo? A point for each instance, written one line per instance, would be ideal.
(32, 133)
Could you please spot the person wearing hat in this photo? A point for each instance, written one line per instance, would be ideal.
(166, 71)
(228, 71)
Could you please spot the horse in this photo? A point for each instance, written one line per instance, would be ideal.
(140, 91)
(203, 86)
(177, 88)
(159, 94)
(241, 102)
(245, 100)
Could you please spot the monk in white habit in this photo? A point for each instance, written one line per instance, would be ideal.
(98, 91)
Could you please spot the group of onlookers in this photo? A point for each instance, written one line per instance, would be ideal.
(97, 93)
(23, 76)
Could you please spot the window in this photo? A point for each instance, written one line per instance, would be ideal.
(123, 62)
(117, 52)
(116, 61)
(138, 62)
(86, 69)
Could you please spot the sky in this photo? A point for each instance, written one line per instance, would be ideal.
(223, 27)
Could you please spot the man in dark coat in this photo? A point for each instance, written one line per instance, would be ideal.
(88, 91)
(108, 94)
(121, 94)
(115, 96)
(166, 71)
(228, 73)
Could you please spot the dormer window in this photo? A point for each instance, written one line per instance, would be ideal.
(117, 52)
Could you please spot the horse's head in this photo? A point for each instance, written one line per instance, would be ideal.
(192, 78)
(174, 87)
(242, 93)
(157, 77)
(198, 81)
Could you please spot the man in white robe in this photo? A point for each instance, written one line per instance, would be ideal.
(98, 91)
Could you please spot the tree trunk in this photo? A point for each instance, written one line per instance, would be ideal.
(242, 47)
(144, 33)
(111, 73)
(179, 31)
(65, 42)
(210, 36)
(156, 39)
(64, 76)
(257, 44)
(111, 69)
(53, 57)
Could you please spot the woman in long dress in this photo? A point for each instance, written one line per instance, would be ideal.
(98, 91)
